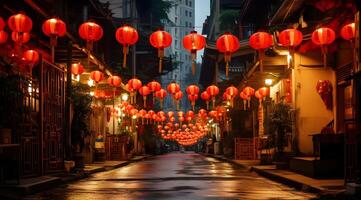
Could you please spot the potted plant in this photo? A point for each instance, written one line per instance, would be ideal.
(280, 125)
(81, 103)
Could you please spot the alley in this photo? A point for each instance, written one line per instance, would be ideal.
(173, 176)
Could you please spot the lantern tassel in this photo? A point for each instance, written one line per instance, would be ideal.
(145, 101)
(207, 103)
(160, 55)
(261, 55)
(213, 102)
(227, 59)
(194, 56)
(125, 52)
(244, 104)
(324, 56)
(53, 40)
(89, 45)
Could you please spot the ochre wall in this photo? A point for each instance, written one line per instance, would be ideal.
(311, 114)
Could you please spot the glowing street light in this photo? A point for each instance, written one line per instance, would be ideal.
(268, 82)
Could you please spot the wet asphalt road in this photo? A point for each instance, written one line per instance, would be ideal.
(187, 176)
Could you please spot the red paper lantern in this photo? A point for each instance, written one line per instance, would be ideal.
(323, 37)
(258, 95)
(31, 58)
(25, 37)
(348, 32)
(161, 94)
(192, 90)
(290, 38)
(3, 37)
(114, 81)
(126, 35)
(170, 114)
(248, 91)
(264, 91)
(2, 24)
(54, 28)
(206, 97)
(232, 93)
(91, 32)
(173, 88)
(180, 114)
(144, 91)
(193, 99)
(97, 76)
(160, 40)
(134, 85)
(227, 44)
(77, 69)
(20, 23)
(154, 86)
(213, 91)
(177, 96)
(261, 41)
(194, 42)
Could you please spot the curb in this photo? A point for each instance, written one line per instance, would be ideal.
(55, 181)
(288, 182)
(272, 176)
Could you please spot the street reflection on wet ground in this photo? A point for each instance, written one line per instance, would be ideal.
(186, 176)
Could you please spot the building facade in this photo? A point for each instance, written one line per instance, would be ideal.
(182, 22)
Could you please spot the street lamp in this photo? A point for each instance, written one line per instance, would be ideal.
(268, 82)
(125, 96)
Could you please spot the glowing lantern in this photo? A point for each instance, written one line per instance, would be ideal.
(264, 91)
(323, 37)
(261, 41)
(160, 40)
(192, 90)
(170, 114)
(77, 69)
(177, 97)
(114, 81)
(54, 28)
(227, 44)
(173, 88)
(232, 92)
(3, 37)
(2, 24)
(91, 32)
(193, 99)
(134, 84)
(31, 58)
(20, 40)
(258, 95)
(180, 114)
(194, 42)
(248, 92)
(126, 35)
(205, 97)
(161, 94)
(213, 92)
(290, 38)
(190, 114)
(20, 23)
(348, 32)
(144, 91)
(97, 76)
(154, 86)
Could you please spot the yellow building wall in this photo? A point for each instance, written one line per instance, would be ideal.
(311, 112)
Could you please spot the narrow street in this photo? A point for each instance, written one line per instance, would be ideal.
(174, 176)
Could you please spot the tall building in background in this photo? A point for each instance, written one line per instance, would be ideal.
(181, 23)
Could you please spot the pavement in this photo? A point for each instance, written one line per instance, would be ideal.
(37, 184)
(174, 176)
(292, 179)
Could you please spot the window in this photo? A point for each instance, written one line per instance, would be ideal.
(186, 24)
(176, 43)
(190, 3)
(186, 12)
(190, 24)
(175, 19)
(187, 2)
(190, 14)
(176, 31)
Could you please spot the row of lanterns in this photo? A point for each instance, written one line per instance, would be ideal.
(21, 25)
